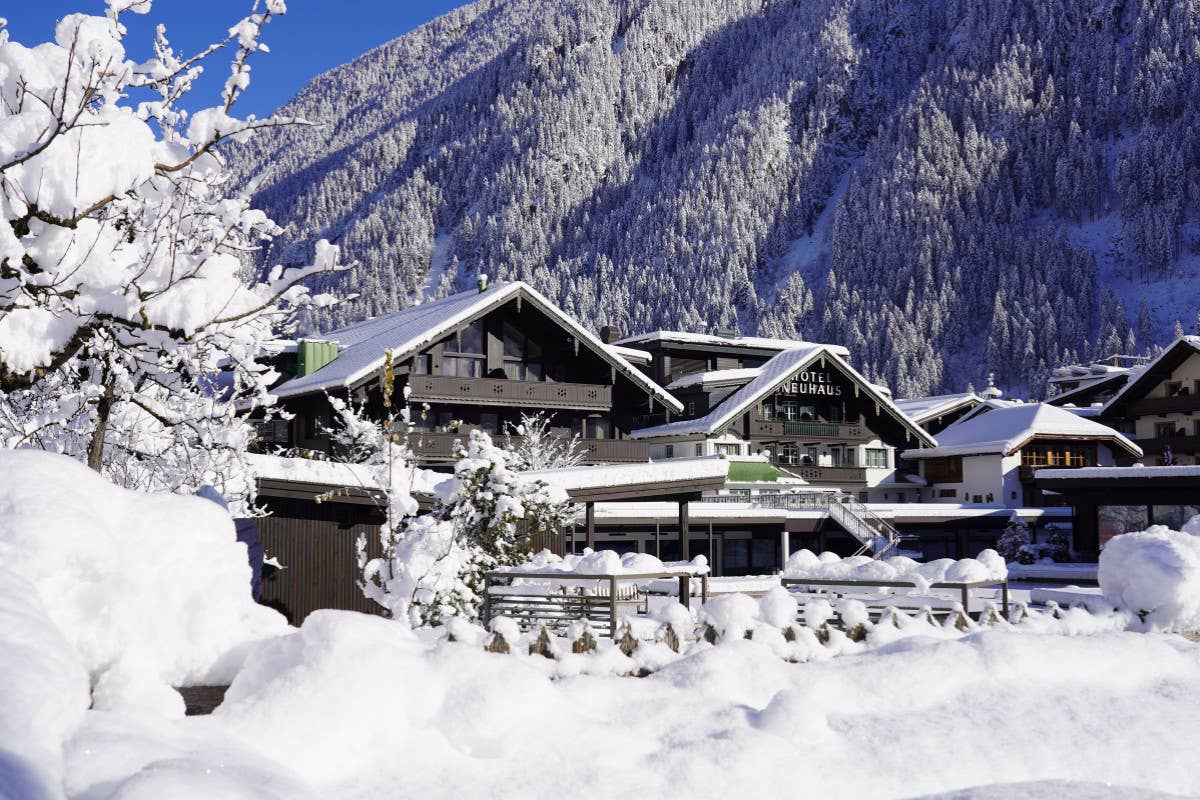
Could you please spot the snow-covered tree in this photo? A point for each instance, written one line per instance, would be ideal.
(494, 512)
(1013, 542)
(128, 331)
(531, 444)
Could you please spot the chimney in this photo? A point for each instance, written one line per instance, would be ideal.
(609, 334)
(483, 279)
(727, 333)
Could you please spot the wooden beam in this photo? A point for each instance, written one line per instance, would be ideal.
(590, 516)
(683, 531)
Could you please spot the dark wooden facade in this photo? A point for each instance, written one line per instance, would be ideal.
(509, 360)
(316, 544)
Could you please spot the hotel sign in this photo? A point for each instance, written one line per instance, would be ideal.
(812, 382)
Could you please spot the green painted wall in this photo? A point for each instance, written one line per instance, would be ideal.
(311, 355)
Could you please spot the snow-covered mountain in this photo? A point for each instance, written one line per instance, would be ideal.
(947, 187)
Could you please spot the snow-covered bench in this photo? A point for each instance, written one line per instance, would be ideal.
(598, 587)
(865, 576)
(908, 601)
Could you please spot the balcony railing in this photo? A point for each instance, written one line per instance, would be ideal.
(1180, 403)
(806, 430)
(440, 447)
(839, 475)
(1179, 444)
(498, 391)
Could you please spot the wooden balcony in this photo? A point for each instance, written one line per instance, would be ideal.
(806, 430)
(1179, 444)
(839, 475)
(1179, 404)
(532, 395)
(440, 447)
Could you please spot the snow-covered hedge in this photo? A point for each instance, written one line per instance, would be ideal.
(149, 590)
(1155, 573)
(828, 566)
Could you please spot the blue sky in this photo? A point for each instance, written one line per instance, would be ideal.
(314, 36)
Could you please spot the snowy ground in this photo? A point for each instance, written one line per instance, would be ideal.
(107, 597)
(354, 706)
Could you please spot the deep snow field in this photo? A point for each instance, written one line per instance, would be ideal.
(128, 594)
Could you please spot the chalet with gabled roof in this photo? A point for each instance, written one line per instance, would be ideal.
(804, 408)
(1159, 406)
(473, 360)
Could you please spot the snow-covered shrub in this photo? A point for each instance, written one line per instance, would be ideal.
(128, 335)
(488, 501)
(532, 445)
(1155, 574)
(433, 565)
(1013, 540)
(154, 588)
(1059, 544)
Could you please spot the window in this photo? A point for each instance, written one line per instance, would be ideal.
(691, 408)
(420, 365)
(877, 457)
(489, 423)
(1164, 430)
(468, 340)
(273, 432)
(1196, 427)
(459, 367)
(599, 428)
(768, 410)
(467, 346)
(729, 449)
(522, 356)
(700, 449)
(843, 456)
(789, 410)
(789, 453)
(947, 493)
(669, 451)
(944, 470)
(1174, 388)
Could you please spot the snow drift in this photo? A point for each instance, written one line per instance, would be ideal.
(148, 589)
(1156, 574)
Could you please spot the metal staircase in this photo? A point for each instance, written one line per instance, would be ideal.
(875, 533)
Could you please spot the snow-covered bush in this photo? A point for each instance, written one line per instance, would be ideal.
(127, 330)
(1012, 542)
(433, 565)
(1154, 573)
(150, 590)
(494, 511)
(532, 445)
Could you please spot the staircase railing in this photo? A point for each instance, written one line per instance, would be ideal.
(874, 533)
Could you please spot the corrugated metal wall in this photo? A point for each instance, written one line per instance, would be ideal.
(315, 543)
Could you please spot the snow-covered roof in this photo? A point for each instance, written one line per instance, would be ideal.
(780, 368)
(1171, 351)
(338, 473)
(616, 475)
(753, 342)
(1005, 429)
(922, 409)
(630, 353)
(1123, 473)
(716, 377)
(363, 345)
